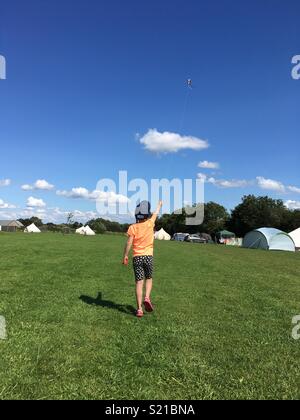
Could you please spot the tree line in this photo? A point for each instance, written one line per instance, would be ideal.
(252, 213)
(98, 225)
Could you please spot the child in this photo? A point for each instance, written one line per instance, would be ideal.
(141, 237)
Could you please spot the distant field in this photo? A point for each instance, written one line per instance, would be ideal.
(222, 326)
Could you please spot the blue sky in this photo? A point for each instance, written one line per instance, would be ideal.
(83, 78)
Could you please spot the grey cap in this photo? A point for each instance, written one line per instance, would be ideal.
(143, 210)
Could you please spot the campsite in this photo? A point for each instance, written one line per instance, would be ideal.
(149, 202)
(223, 327)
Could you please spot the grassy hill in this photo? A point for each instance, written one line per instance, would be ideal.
(222, 326)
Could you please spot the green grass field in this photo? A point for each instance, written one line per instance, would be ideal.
(222, 326)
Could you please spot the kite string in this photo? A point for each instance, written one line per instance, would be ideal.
(184, 110)
(171, 164)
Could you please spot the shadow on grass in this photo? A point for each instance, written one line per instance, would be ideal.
(125, 309)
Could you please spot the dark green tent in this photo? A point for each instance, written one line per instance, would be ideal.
(225, 234)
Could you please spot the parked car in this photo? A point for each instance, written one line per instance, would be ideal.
(195, 239)
(179, 237)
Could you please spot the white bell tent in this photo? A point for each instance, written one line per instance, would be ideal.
(89, 231)
(32, 229)
(162, 235)
(85, 230)
(80, 231)
(295, 235)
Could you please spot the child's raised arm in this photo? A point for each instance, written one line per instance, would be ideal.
(156, 213)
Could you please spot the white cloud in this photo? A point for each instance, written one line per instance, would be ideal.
(263, 183)
(40, 184)
(270, 184)
(27, 187)
(223, 183)
(41, 211)
(56, 215)
(48, 215)
(203, 177)
(100, 196)
(5, 182)
(109, 197)
(85, 215)
(235, 183)
(78, 192)
(208, 165)
(35, 202)
(292, 205)
(294, 189)
(167, 142)
(4, 205)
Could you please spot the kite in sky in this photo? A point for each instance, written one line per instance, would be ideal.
(190, 83)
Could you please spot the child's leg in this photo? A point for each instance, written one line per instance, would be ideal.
(139, 280)
(147, 302)
(149, 284)
(139, 293)
(148, 268)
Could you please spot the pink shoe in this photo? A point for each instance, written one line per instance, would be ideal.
(148, 305)
(139, 313)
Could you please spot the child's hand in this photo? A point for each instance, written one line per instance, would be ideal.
(125, 261)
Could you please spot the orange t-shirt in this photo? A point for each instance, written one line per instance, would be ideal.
(143, 237)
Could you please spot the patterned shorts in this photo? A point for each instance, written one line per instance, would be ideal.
(143, 267)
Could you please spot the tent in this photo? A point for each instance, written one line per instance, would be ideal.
(162, 235)
(80, 231)
(225, 234)
(295, 235)
(269, 239)
(234, 242)
(89, 231)
(85, 230)
(10, 225)
(32, 229)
